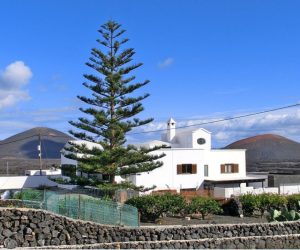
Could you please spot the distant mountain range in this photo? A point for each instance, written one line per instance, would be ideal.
(266, 152)
(19, 152)
(269, 152)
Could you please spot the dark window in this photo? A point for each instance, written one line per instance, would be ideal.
(201, 141)
(187, 169)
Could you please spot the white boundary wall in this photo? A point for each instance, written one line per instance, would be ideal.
(289, 189)
(228, 192)
(19, 182)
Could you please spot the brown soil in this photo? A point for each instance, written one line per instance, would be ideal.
(214, 219)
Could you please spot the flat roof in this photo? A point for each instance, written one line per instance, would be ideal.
(238, 180)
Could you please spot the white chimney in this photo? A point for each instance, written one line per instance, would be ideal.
(171, 132)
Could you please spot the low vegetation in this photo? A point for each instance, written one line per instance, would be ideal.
(204, 206)
(273, 207)
(262, 203)
(152, 207)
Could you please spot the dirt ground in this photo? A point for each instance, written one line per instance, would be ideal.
(214, 219)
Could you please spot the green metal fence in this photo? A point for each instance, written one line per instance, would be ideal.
(81, 206)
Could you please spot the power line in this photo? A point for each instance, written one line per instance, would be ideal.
(220, 120)
(161, 130)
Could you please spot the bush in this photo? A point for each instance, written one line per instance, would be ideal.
(249, 203)
(151, 207)
(173, 203)
(261, 202)
(68, 170)
(293, 201)
(204, 206)
(266, 202)
(29, 194)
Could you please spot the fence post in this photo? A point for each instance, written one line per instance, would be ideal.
(44, 199)
(66, 209)
(78, 216)
(69, 205)
(120, 213)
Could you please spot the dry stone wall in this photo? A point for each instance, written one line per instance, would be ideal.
(33, 228)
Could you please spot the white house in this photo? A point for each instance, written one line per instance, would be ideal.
(190, 163)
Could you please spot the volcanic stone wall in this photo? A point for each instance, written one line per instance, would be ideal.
(32, 228)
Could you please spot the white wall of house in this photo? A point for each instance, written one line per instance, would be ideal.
(191, 146)
(67, 161)
(214, 159)
(166, 177)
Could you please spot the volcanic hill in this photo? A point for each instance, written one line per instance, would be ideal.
(269, 152)
(19, 152)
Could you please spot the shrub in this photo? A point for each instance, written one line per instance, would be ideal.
(17, 195)
(68, 170)
(266, 202)
(204, 206)
(151, 207)
(293, 201)
(261, 202)
(29, 194)
(249, 203)
(172, 203)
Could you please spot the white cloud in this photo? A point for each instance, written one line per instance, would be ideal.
(166, 63)
(285, 123)
(12, 82)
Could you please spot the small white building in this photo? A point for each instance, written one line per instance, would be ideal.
(191, 164)
(48, 172)
(66, 161)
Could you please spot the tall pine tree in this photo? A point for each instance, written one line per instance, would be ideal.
(111, 111)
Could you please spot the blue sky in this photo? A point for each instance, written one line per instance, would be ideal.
(205, 59)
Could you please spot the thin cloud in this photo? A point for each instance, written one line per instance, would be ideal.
(12, 82)
(284, 123)
(166, 63)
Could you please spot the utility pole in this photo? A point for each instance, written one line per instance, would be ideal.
(40, 152)
(7, 168)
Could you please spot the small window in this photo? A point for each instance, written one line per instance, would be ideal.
(206, 170)
(229, 168)
(186, 168)
(201, 141)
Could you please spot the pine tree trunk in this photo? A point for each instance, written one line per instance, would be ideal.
(112, 178)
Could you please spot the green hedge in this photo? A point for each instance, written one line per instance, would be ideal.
(151, 207)
(204, 206)
(261, 203)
